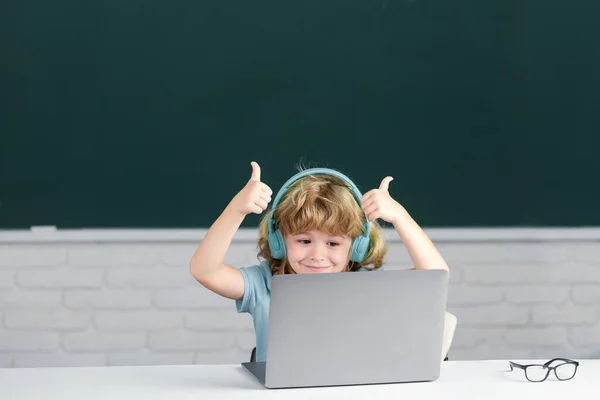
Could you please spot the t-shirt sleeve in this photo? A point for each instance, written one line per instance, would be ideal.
(255, 288)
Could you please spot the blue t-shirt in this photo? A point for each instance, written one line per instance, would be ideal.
(257, 300)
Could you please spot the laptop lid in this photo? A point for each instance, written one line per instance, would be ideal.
(355, 328)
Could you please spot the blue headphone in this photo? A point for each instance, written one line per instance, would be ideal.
(360, 245)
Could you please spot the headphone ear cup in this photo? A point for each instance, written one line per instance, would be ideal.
(360, 248)
(277, 245)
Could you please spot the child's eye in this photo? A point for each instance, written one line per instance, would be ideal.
(334, 244)
(304, 241)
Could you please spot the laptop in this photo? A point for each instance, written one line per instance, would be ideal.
(354, 328)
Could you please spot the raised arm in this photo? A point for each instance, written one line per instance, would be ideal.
(207, 265)
(378, 203)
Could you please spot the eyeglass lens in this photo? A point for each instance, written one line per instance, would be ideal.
(565, 371)
(538, 373)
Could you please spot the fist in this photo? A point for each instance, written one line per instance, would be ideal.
(255, 196)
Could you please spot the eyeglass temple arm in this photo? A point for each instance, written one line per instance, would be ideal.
(561, 359)
(515, 365)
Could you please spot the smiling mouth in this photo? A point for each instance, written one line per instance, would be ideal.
(314, 268)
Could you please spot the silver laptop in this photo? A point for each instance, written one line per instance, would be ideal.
(354, 328)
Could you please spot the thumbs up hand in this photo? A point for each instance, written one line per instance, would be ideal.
(254, 197)
(378, 203)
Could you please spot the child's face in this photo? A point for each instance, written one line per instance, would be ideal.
(317, 252)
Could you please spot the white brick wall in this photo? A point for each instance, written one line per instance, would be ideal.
(114, 298)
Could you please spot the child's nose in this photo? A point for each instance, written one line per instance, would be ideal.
(317, 252)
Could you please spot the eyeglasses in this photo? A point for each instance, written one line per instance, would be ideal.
(564, 369)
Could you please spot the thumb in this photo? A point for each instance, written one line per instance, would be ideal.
(385, 183)
(255, 171)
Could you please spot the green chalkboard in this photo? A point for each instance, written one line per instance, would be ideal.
(146, 113)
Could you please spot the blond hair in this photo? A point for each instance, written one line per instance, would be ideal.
(324, 203)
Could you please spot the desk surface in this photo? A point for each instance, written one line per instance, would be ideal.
(459, 380)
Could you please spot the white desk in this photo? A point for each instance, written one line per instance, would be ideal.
(459, 380)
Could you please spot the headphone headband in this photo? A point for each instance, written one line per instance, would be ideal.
(316, 171)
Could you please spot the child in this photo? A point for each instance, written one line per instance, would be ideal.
(322, 223)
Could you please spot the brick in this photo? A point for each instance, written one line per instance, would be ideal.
(239, 254)
(584, 352)
(28, 341)
(190, 341)
(64, 278)
(14, 256)
(514, 274)
(492, 352)
(39, 299)
(398, 255)
(228, 320)
(466, 337)
(490, 315)
(465, 295)
(6, 360)
(192, 297)
(59, 359)
(567, 314)
(536, 294)
(546, 336)
(145, 357)
(547, 352)
(137, 320)
(179, 255)
(245, 341)
(232, 356)
(585, 294)
(528, 352)
(585, 253)
(110, 255)
(459, 354)
(456, 275)
(473, 253)
(108, 299)
(587, 274)
(103, 341)
(534, 253)
(7, 279)
(46, 320)
(586, 336)
(149, 277)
